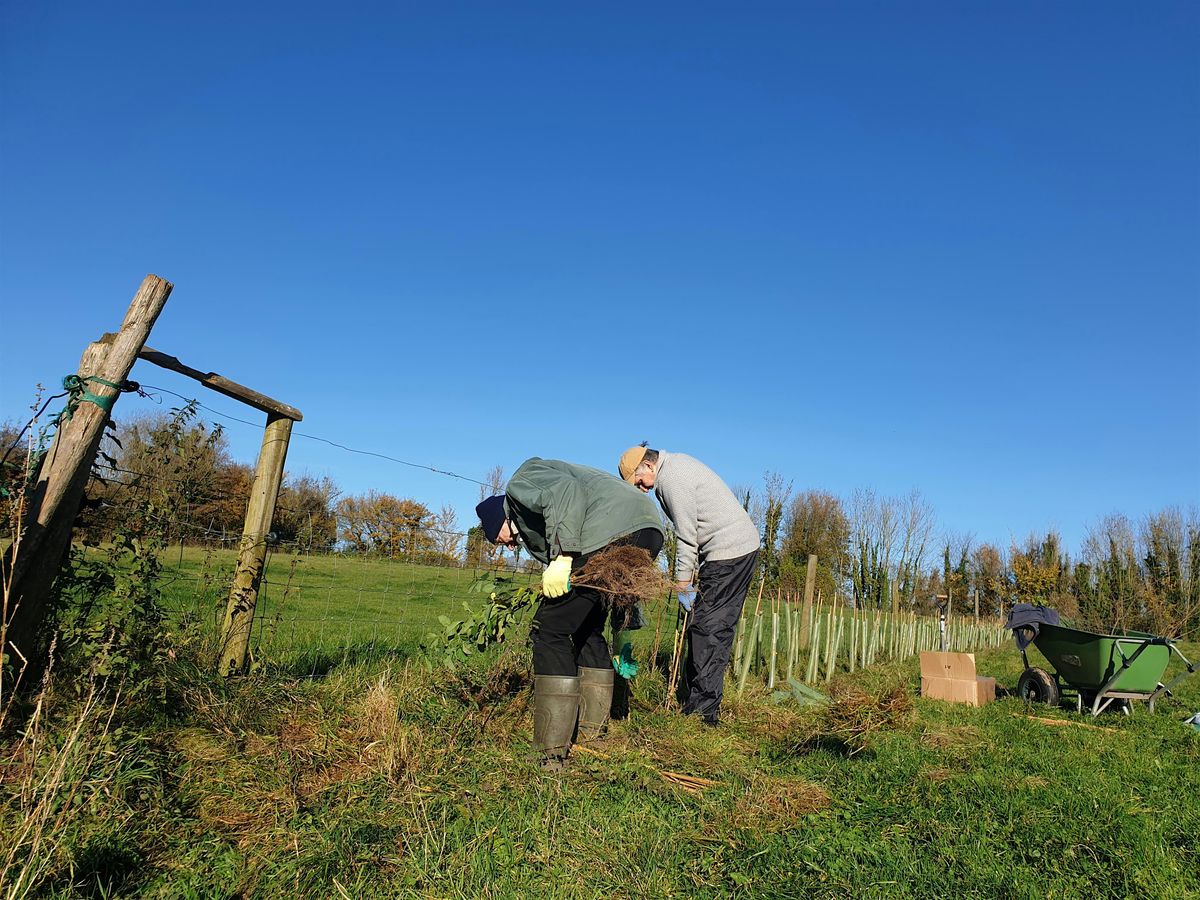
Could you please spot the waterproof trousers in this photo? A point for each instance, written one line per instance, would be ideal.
(710, 632)
(568, 631)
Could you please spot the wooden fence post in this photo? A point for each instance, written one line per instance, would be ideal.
(55, 498)
(810, 583)
(243, 595)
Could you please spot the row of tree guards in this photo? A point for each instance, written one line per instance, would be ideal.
(785, 639)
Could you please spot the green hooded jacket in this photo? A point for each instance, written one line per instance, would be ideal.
(559, 507)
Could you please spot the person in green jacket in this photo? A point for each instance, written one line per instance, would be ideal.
(562, 513)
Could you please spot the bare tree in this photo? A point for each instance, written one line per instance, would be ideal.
(446, 537)
(478, 551)
(916, 525)
(493, 483)
(775, 497)
(873, 522)
(889, 537)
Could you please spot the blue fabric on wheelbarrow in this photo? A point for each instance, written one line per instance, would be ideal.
(1026, 619)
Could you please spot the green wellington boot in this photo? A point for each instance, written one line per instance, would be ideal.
(555, 708)
(595, 701)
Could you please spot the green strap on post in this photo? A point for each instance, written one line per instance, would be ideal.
(77, 392)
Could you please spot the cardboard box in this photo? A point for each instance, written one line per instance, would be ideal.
(951, 677)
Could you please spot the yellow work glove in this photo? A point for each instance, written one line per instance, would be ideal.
(556, 580)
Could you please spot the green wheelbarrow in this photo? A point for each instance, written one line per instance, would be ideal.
(1100, 668)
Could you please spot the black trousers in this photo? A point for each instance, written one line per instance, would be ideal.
(568, 631)
(711, 629)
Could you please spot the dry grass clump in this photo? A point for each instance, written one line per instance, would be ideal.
(395, 749)
(703, 753)
(952, 738)
(854, 715)
(625, 574)
(771, 804)
(774, 722)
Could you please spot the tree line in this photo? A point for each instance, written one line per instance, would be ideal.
(878, 550)
(181, 471)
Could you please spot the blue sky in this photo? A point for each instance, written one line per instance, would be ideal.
(937, 245)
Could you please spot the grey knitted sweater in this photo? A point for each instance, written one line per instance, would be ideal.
(708, 519)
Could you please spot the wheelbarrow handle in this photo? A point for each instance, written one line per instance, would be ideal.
(1191, 668)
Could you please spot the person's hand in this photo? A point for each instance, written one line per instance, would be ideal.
(687, 599)
(556, 580)
(624, 663)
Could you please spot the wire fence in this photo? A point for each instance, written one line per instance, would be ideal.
(321, 599)
(320, 602)
(317, 607)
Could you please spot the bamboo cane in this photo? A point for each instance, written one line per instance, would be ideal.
(677, 656)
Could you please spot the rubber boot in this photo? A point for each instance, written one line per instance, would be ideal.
(555, 708)
(595, 701)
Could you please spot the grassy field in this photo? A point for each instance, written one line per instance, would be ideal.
(281, 786)
(313, 608)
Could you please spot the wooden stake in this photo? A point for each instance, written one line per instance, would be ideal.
(243, 596)
(56, 496)
(810, 584)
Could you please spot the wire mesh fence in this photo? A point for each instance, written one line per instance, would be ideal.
(319, 607)
(322, 598)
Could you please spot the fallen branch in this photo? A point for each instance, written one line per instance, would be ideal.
(689, 783)
(1063, 722)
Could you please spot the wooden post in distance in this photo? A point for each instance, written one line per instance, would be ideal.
(810, 583)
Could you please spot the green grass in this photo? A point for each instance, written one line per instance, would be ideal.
(280, 786)
(313, 608)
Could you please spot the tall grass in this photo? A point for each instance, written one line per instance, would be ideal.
(53, 762)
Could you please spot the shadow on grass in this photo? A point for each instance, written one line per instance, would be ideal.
(782, 750)
(104, 867)
(321, 663)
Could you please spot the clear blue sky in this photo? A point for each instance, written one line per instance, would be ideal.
(951, 246)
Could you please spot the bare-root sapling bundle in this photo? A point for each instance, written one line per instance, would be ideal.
(624, 574)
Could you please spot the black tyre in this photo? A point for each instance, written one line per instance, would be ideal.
(1038, 686)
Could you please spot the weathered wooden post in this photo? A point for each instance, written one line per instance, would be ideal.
(55, 498)
(252, 555)
(268, 478)
(810, 583)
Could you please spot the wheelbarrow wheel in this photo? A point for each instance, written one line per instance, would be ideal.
(1038, 686)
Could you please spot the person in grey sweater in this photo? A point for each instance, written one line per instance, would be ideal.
(718, 548)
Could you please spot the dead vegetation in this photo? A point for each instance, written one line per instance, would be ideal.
(773, 804)
(854, 717)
